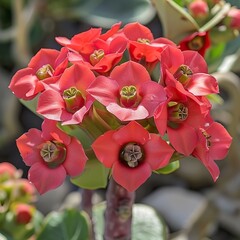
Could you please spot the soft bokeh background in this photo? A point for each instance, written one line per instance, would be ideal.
(191, 204)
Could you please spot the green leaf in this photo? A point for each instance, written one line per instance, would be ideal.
(171, 167)
(172, 15)
(215, 98)
(95, 175)
(68, 225)
(4, 236)
(216, 19)
(31, 105)
(146, 223)
(104, 13)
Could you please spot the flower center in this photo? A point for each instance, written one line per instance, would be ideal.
(53, 153)
(45, 71)
(196, 43)
(73, 99)
(207, 136)
(128, 96)
(177, 112)
(131, 154)
(96, 56)
(183, 74)
(143, 40)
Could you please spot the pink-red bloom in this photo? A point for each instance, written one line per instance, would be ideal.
(51, 155)
(143, 47)
(98, 52)
(233, 18)
(128, 93)
(68, 101)
(190, 69)
(180, 116)
(23, 213)
(213, 144)
(198, 9)
(198, 41)
(132, 153)
(45, 67)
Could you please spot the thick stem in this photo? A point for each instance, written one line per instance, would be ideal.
(87, 204)
(118, 214)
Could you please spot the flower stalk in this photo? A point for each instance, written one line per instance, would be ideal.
(118, 214)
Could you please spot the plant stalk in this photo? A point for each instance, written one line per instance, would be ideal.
(118, 214)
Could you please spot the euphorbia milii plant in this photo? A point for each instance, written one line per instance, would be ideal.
(118, 112)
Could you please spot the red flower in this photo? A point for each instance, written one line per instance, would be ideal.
(23, 213)
(180, 116)
(198, 9)
(70, 102)
(44, 68)
(98, 52)
(51, 155)
(7, 171)
(198, 41)
(132, 153)
(213, 144)
(190, 69)
(142, 45)
(129, 93)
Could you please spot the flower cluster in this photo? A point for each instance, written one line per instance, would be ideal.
(142, 100)
(16, 197)
(217, 22)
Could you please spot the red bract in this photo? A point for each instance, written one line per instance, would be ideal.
(105, 54)
(198, 41)
(142, 46)
(70, 102)
(44, 68)
(190, 69)
(129, 93)
(132, 153)
(180, 116)
(96, 51)
(51, 155)
(213, 144)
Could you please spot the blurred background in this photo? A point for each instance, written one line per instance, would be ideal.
(192, 205)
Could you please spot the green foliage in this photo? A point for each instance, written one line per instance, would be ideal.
(171, 167)
(146, 223)
(68, 225)
(95, 175)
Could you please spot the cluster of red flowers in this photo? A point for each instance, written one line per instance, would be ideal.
(146, 118)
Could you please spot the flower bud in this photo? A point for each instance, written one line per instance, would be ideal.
(233, 18)
(198, 9)
(7, 171)
(23, 213)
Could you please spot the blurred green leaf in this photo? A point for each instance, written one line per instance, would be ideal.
(104, 13)
(146, 223)
(4, 236)
(216, 19)
(94, 176)
(171, 167)
(68, 225)
(172, 15)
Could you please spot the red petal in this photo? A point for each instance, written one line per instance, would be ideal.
(128, 114)
(76, 159)
(161, 118)
(28, 146)
(51, 105)
(106, 149)
(131, 178)
(157, 152)
(133, 31)
(46, 179)
(202, 84)
(132, 132)
(130, 73)
(104, 90)
(184, 139)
